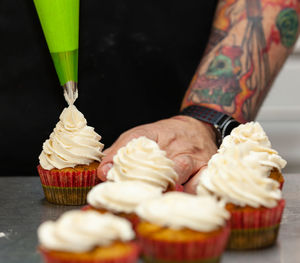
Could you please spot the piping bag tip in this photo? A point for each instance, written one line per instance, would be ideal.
(70, 92)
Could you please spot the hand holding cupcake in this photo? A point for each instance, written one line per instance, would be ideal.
(142, 160)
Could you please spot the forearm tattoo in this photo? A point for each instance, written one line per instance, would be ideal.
(248, 45)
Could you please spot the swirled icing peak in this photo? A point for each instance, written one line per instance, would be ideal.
(121, 196)
(256, 146)
(80, 231)
(248, 132)
(142, 160)
(179, 210)
(71, 143)
(239, 181)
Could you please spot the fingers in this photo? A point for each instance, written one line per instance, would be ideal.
(184, 165)
(191, 186)
(103, 170)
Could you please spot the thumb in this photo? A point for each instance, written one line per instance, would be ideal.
(105, 165)
(191, 186)
(184, 165)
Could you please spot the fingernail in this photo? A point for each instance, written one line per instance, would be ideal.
(106, 168)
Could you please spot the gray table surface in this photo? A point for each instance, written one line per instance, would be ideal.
(23, 208)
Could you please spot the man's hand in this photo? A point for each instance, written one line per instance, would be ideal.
(188, 142)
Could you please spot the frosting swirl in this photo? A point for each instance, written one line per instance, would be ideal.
(71, 143)
(122, 196)
(263, 156)
(179, 210)
(80, 231)
(256, 146)
(248, 132)
(239, 180)
(142, 160)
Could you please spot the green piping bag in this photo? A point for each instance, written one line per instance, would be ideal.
(60, 24)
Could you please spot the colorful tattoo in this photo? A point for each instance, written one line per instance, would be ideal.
(287, 24)
(240, 62)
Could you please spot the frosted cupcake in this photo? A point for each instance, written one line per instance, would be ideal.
(121, 198)
(253, 199)
(179, 227)
(79, 237)
(69, 159)
(142, 160)
(259, 147)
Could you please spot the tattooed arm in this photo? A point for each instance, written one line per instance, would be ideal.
(248, 45)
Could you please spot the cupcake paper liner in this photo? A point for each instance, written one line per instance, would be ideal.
(244, 239)
(85, 178)
(255, 229)
(131, 257)
(281, 185)
(67, 188)
(202, 251)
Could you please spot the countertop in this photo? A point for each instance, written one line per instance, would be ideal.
(23, 208)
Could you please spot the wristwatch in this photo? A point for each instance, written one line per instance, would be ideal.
(222, 123)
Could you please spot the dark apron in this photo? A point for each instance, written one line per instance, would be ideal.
(136, 59)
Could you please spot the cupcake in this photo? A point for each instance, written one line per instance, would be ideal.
(121, 198)
(142, 160)
(69, 159)
(253, 199)
(179, 227)
(84, 237)
(260, 147)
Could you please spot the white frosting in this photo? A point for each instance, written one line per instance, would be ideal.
(142, 160)
(179, 210)
(262, 156)
(257, 147)
(121, 196)
(80, 231)
(71, 143)
(248, 132)
(239, 180)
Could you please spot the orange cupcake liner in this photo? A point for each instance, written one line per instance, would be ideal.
(255, 229)
(131, 257)
(67, 187)
(202, 251)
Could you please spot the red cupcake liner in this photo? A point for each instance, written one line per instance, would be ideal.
(208, 250)
(56, 178)
(281, 185)
(255, 229)
(131, 257)
(262, 217)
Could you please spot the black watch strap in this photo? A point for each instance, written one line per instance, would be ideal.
(222, 123)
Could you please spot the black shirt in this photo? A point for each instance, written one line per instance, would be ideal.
(136, 59)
